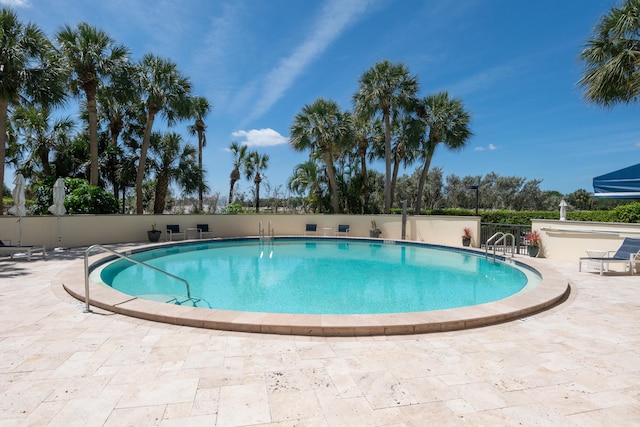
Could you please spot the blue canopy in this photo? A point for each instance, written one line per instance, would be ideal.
(620, 184)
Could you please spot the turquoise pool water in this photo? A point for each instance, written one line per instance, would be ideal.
(317, 276)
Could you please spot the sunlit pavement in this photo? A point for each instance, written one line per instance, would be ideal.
(575, 365)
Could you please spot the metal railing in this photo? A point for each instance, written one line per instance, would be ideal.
(519, 231)
(495, 240)
(135, 261)
(261, 231)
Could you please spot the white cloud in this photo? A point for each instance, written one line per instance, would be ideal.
(336, 16)
(15, 3)
(490, 147)
(260, 137)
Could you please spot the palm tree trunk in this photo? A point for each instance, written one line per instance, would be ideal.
(387, 162)
(146, 140)
(200, 147)
(4, 106)
(162, 186)
(92, 109)
(365, 179)
(394, 178)
(333, 184)
(423, 180)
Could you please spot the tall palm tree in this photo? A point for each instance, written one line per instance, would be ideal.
(407, 132)
(447, 122)
(612, 57)
(200, 107)
(239, 153)
(41, 135)
(166, 91)
(322, 128)
(385, 89)
(29, 70)
(254, 165)
(308, 179)
(172, 161)
(92, 56)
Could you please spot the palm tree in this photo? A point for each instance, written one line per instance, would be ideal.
(40, 135)
(254, 164)
(239, 153)
(308, 179)
(165, 91)
(200, 107)
(448, 123)
(29, 70)
(322, 128)
(172, 161)
(92, 56)
(385, 88)
(611, 57)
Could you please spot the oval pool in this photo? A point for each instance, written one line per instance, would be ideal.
(317, 276)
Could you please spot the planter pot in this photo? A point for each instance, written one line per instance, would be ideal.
(533, 251)
(374, 233)
(154, 235)
(466, 241)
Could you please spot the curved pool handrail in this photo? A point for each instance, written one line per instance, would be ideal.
(128, 258)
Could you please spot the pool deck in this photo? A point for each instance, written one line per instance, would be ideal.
(577, 364)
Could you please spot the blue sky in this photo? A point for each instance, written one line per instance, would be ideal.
(513, 63)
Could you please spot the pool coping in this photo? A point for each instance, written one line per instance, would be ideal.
(553, 289)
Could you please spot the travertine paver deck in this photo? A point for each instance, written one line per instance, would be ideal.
(575, 365)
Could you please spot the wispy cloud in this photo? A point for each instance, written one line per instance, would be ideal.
(15, 3)
(489, 147)
(482, 80)
(336, 17)
(260, 137)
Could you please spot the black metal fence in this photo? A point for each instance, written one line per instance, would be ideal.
(519, 232)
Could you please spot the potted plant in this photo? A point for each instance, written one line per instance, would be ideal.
(375, 231)
(154, 233)
(466, 236)
(533, 243)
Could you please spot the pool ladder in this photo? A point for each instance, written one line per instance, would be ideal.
(497, 239)
(270, 232)
(194, 301)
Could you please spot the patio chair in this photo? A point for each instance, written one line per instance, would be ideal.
(203, 230)
(12, 250)
(342, 230)
(628, 254)
(173, 232)
(311, 229)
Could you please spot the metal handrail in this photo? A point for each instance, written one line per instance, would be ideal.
(500, 237)
(135, 261)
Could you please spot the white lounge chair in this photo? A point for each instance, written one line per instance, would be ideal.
(203, 230)
(343, 230)
(628, 254)
(173, 232)
(30, 250)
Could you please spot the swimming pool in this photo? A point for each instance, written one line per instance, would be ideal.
(552, 290)
(318, 276)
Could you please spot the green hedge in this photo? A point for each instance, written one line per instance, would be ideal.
(629, 213)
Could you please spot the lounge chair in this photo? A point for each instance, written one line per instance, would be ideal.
(628, 254)
(203, 230)
(173, 232)
(343, 230)
(311, 228)
(28, 250)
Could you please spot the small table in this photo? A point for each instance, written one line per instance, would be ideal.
(597, 253)
(194, 229)
(327, 231)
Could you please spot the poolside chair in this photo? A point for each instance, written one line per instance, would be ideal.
(28, 250)
(628, 254)
(173, 232)
(311, 228)
(342, 230)
(203, 230)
